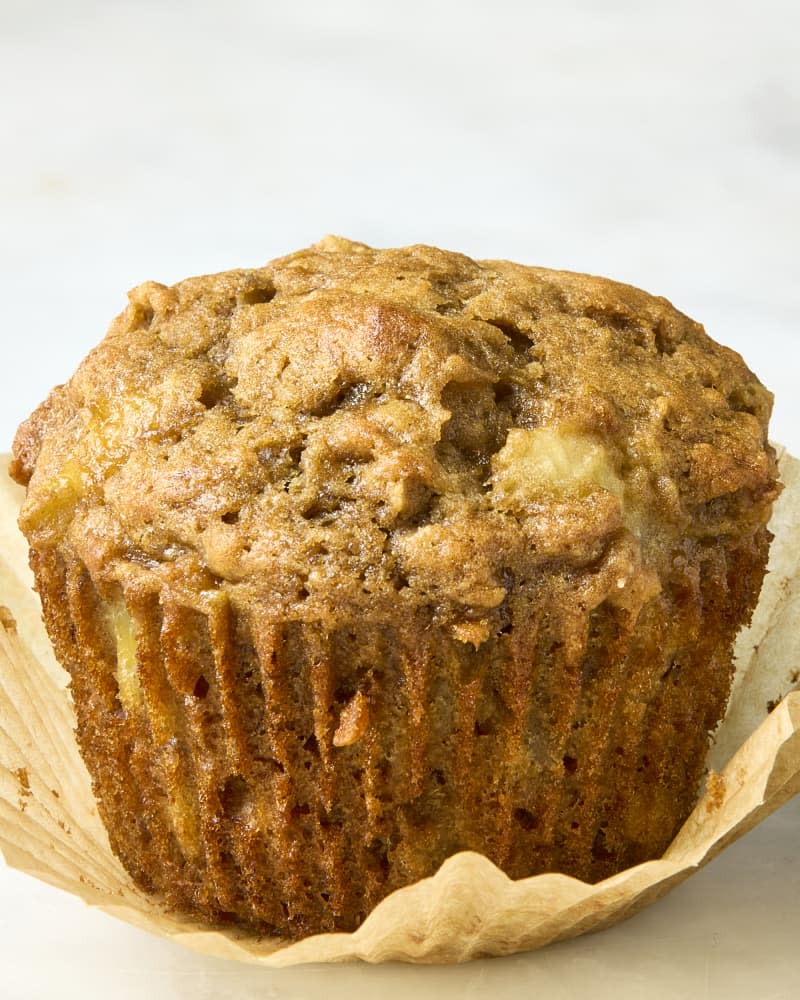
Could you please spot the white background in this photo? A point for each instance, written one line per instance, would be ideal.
(658, 143)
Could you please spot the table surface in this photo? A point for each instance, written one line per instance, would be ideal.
(658, 144)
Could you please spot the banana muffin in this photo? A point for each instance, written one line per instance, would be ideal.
(367, 557)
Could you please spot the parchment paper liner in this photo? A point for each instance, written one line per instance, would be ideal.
(49, 826)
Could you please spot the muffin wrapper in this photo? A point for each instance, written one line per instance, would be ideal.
(50, 828)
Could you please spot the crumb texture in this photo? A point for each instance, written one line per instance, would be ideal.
(369, 556)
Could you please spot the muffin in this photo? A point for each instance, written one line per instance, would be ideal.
(367, 557)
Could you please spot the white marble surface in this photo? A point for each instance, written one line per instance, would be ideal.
(656, 143)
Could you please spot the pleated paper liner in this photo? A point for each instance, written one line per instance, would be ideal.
(49, 826)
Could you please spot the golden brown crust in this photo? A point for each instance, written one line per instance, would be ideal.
(366, 557)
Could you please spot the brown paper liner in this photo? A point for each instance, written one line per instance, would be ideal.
(49, 826)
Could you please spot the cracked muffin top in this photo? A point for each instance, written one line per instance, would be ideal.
(349, 428)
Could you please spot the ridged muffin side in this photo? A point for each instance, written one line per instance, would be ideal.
(367, 557)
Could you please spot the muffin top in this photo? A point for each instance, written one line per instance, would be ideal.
(348, 428)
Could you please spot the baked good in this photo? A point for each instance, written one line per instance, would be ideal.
(370, 556)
